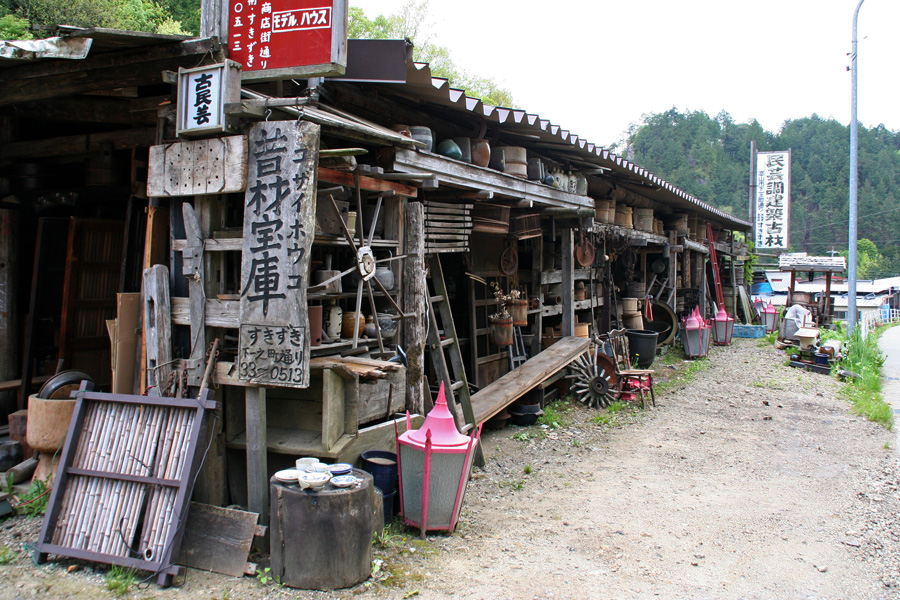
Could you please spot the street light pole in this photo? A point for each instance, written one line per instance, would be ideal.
(854, 167)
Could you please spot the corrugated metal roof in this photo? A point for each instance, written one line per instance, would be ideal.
(543, 134)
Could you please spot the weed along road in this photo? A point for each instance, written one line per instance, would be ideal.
(749, 480)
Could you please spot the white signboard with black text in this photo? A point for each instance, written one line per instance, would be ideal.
(202, 95)
(773, 193)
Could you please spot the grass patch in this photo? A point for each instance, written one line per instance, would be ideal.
(865, 358)
(556, 413)
(119, 580)
(516, 484)
(33, 503)
(7, 555)
(388, 538)
(527, 470)
(528, 435)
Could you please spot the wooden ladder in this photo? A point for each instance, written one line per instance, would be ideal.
(714, 259)
(445, 354)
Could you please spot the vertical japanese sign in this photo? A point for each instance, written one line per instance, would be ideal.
(279, 222)
(773, 193)
(274, 39)
(202, 95)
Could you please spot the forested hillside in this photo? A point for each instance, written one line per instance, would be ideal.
(710, 158)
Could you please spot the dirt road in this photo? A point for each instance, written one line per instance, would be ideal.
(751, 480)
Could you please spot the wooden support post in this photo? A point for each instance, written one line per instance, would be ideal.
(257, 459)
(157, 325)
(537, 266)
(332, 408)
(673, 271)
(193, 269)
(9, 300)
(415, 292)
(686, 270)
(568, 282)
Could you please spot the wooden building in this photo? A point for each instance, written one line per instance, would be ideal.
(107, 201)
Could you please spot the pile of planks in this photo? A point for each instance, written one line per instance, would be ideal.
(447, 226)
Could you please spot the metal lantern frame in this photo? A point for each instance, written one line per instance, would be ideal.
(770, 317)
(429, 449)
(723, 328)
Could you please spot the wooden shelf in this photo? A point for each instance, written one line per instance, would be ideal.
(549, 311)
(297, 442)
(336, 241)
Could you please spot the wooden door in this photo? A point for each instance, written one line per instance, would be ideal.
(93, 277)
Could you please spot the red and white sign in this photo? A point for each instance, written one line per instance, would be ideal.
(276, 39)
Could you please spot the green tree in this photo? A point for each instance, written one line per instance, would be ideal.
(136, 15)
(410, 23)
(14, 28)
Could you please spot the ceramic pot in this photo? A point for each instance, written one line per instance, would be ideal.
(349, 321)
(465, 146)
(333, 320)
(422, 134)
(48, 422)
(481, 153)
(371, 329)
(315, 325)
(449, 149)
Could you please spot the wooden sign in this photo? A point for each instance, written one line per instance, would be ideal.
(202, 95)
(213, 166)
(279, 39)
(279, 224)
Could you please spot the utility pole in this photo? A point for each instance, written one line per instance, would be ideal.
(854, 168)
(752, 212)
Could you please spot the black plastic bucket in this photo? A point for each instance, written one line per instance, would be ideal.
(383, 467)
(642, 346)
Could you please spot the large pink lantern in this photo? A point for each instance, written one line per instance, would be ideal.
(723, 327)
(769, 317)
(435, 462)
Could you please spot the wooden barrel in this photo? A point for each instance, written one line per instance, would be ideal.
(643, 219)
(516, 161)
(322, 539)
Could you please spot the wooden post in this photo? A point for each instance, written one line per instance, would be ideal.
(415, 292)
(568, 282)
(257, 460)
(193, 269)
(214, 19)
(157, 325)
(537, 266)
(9, 241)
(686, 270)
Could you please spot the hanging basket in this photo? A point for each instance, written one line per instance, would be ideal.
(501, 330)
(518, 310)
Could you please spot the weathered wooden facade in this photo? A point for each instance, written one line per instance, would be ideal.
(110, 202)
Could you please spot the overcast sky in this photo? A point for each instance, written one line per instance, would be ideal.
(595, 66)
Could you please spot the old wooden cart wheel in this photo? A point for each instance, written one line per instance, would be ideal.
(594, 375)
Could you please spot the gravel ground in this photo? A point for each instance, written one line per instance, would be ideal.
(749, 480)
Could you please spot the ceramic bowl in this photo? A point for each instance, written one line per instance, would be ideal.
(304, 462)
(287, 476)
(313, 480)
(344, 481)
(317, 467)
(340, 469)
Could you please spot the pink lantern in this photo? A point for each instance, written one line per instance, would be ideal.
(435, 462)
(723, 328)
(769, 317)
(695, 334)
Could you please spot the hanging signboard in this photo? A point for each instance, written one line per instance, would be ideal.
(279, 223)
(202, 95)
(773, 193)
(279, 39)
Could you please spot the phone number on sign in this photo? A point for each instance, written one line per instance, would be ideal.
(250, 370)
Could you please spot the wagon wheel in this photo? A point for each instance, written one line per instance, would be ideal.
(595, 378)
(365, 264)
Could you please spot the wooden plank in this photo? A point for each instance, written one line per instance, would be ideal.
(368, 184)
(568, 282)
(157, 325)
(193, 270)
(377, 437)
(217, 539)
(257, 461)
(332, 408)
(496, 396)
(279, 223)
(214, 166)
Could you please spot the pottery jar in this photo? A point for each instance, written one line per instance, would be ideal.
(481, 153)
(351, 321)
(424, 135)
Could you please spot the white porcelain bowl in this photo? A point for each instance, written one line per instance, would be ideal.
(313, 480)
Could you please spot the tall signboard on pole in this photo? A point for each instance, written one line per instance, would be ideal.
(772, 203)
(279, 39)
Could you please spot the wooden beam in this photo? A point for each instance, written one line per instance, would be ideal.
(157, 325)
(568, 282)
(140, 66)
(369, 184)
(85, 109)
(415, 292)
(79, 144)
(257, 459)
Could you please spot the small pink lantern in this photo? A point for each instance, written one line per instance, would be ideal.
(723, 328)
(769, 317)
(434, 461)
(695, 334)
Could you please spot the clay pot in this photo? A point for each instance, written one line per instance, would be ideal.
(48, 423)
(422, 134)
(465, 146)
(347, 324)
(449, 149)
(315, 325)
(481, 153)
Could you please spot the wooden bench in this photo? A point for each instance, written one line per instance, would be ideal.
(496, 396)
